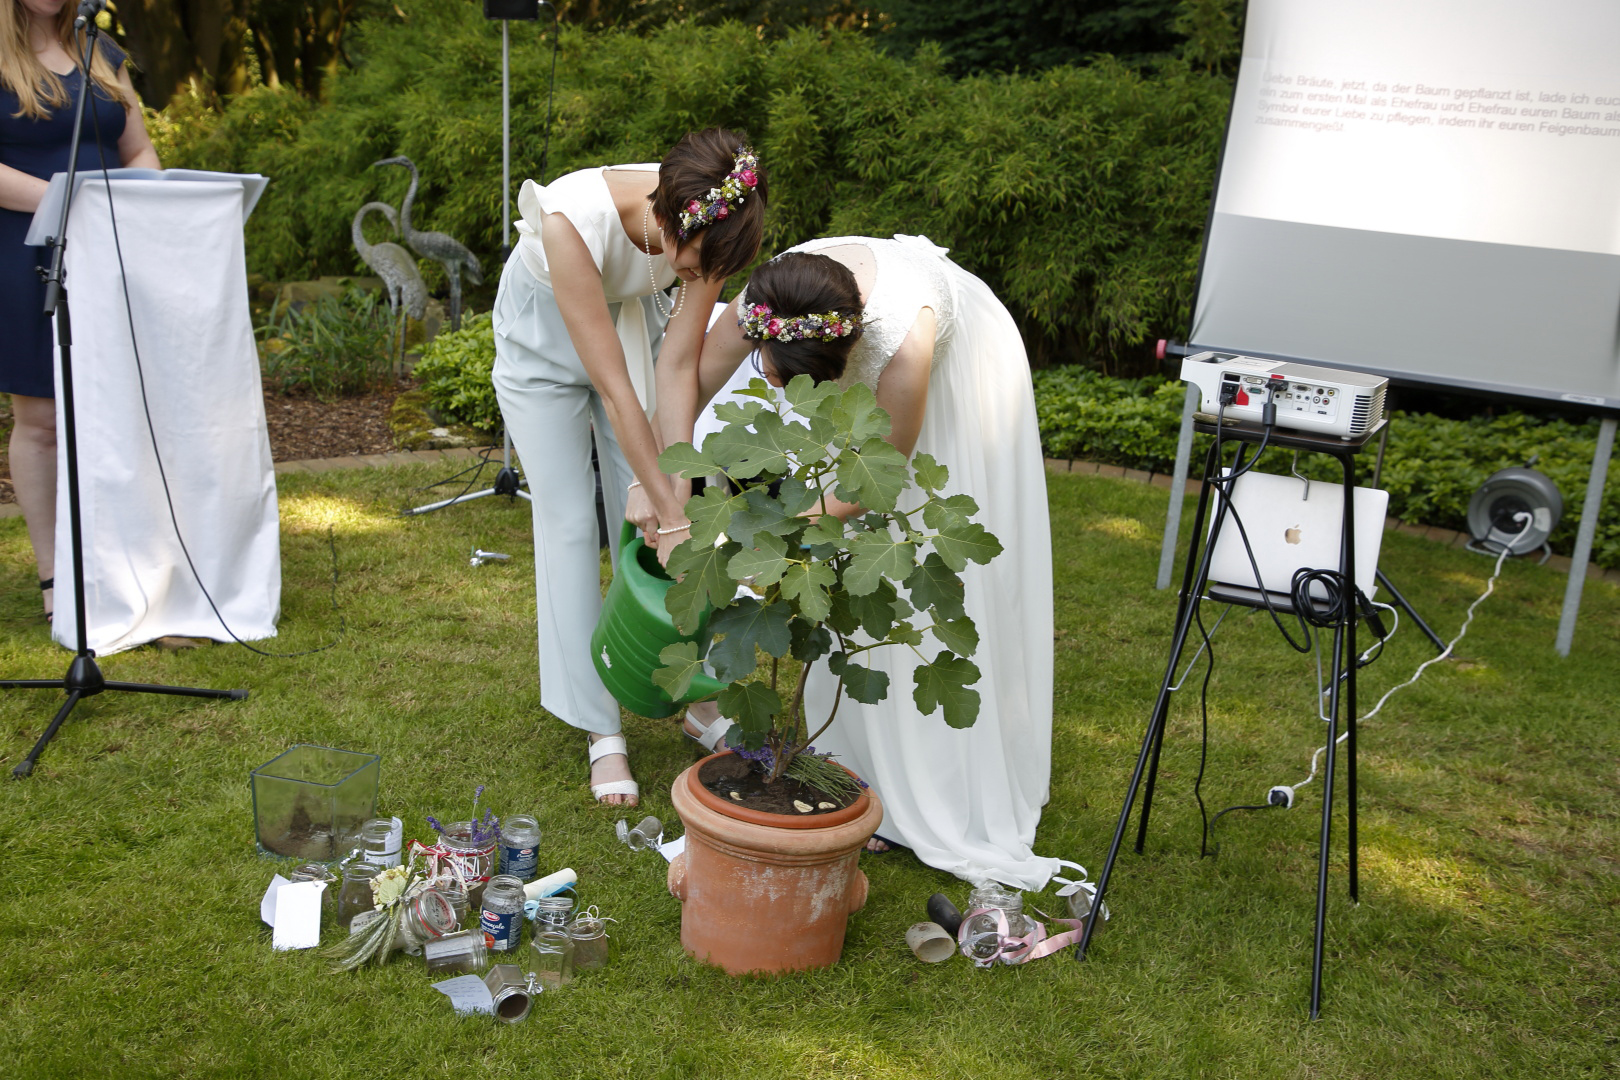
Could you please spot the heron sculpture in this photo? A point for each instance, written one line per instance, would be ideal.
(450, 253)
(407, 294)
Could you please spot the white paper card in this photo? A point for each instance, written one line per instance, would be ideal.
(671, 848)
(298, 915)
(468, 995)
(267, 906)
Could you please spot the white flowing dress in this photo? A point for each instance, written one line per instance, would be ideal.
(965, 801)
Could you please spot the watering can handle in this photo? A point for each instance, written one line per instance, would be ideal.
(627, 533)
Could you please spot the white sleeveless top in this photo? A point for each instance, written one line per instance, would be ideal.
(584, 199)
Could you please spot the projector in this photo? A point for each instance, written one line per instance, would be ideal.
(1323, 401)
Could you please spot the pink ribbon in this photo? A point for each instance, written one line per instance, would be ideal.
(988, 949)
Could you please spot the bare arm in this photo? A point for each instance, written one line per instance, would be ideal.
(902, 391)
(577, 284)
(135, 145)
(679, 362)
(723, 349)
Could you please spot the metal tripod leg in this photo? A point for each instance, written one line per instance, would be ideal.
(1152, 738)
(507, 482)
(1401, 602)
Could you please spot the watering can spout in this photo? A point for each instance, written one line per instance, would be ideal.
(635, 627)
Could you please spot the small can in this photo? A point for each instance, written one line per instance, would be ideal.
(520, 847)
(502, 916)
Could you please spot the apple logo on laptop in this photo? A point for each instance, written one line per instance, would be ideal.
(1292, 536)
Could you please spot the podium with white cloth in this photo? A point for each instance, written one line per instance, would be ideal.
(164, 353)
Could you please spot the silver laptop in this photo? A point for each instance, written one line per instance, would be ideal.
(1292, 525)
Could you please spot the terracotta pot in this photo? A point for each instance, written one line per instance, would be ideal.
(767, 892)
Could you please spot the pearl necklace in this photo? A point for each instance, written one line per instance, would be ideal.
(652, 274)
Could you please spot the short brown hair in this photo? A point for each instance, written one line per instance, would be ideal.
(699, 162)
(799, 283)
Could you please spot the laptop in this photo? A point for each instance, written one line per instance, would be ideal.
(1291, 524)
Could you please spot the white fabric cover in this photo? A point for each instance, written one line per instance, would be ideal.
(182, 248)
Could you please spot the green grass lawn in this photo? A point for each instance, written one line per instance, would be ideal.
(1485, 944)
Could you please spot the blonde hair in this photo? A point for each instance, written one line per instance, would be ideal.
(40, 90)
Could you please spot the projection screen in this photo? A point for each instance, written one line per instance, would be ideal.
(1425, 189)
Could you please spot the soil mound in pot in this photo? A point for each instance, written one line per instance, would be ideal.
(736, 781)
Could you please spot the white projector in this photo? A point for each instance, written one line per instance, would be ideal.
(1323, 401)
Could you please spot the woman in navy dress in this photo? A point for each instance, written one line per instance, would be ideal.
(39, 83)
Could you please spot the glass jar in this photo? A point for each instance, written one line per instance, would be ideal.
(553, 912)
(460, 953)
(589, 934)
(473, 860)
(553, 955)
(983, 935)
(520, 847)
(456, 895)
(316, 872)
(502, 916)
(424, 917)
(354, 895)
(379, 841)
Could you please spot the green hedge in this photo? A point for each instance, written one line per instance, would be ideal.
(454, 371)
(1431, 470)
(1079, 194)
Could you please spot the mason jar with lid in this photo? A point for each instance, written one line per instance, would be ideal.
(502, 917)
(456, 894)
(553, 912)
(589, 933)
(425, 916)
(520, 847)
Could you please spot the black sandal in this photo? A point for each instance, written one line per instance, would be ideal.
(48, 583)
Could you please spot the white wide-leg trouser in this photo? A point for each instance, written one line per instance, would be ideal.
(553, 412)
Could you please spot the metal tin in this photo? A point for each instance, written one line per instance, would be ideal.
(511, 992)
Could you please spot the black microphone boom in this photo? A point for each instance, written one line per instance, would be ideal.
(88, 10)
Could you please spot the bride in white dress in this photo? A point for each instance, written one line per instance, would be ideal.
(945, 359)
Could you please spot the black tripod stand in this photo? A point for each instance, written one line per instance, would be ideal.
(1341, 691)
(83, 678)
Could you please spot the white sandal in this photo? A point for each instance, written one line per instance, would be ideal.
(607, 746)
(711, 738)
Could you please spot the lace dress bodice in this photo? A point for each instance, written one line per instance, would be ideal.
(910, 273)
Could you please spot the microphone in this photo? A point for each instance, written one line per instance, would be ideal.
(88, 10)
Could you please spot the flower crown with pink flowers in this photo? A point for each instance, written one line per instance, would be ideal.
(722, 200)
(760, 323)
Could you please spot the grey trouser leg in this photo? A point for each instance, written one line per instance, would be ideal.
(550, 411)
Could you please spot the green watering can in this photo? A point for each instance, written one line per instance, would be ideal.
(635, 627)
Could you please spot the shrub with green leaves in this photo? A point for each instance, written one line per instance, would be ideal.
(826, 590)
(454, 371)
(1079, 194)
(328, 347)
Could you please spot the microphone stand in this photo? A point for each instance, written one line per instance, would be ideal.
(83, 678)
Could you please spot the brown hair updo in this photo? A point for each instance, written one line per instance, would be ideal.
(799, 283)
(699, 162)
